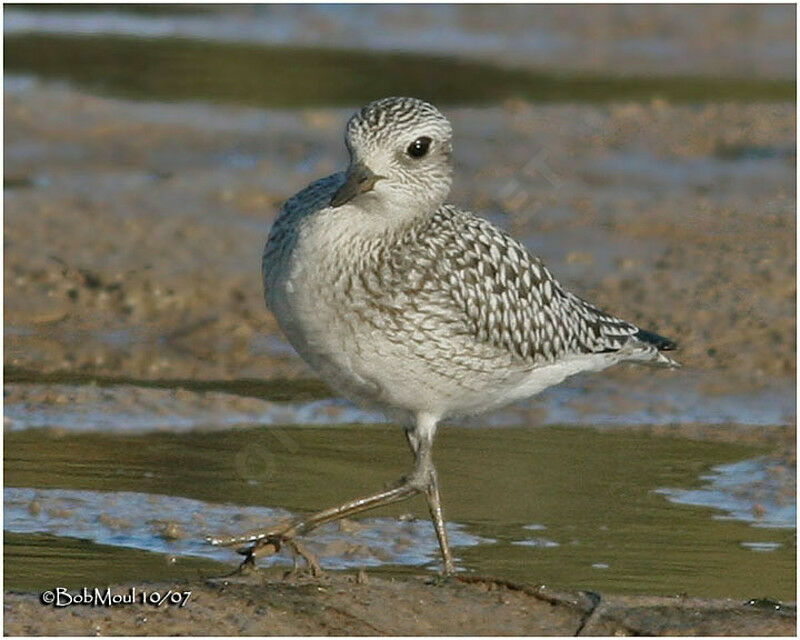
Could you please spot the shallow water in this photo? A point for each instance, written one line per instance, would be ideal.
(568, 507)
(34, 562)
(278, 56)
(736, 488)
(662, 40)
(181, 69)
(179, 527)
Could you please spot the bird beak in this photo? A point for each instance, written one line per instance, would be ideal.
(360, 179)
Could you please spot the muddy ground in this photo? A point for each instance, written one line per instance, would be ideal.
(356, 605)
(133, 232)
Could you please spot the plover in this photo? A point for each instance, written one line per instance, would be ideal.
(403, 302)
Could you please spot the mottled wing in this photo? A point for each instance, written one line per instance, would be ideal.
(510, 299)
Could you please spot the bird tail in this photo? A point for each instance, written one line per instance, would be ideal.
(651, 347)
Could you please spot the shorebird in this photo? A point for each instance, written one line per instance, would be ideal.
(403, 302)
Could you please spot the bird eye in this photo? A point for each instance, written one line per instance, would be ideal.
(419, 147)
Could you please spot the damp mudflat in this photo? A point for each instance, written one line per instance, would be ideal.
(572, 508)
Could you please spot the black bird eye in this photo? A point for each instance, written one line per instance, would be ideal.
(419, 147)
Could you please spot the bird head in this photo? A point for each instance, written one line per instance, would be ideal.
(399, 157)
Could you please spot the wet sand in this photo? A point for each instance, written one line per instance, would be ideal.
(133, 232)
(263, 604)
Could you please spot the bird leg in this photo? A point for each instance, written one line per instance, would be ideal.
(437, 516)
(268, 542)
(422, 447)
(311, 562)
(422, 480)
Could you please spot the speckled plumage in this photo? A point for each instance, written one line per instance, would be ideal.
(404, 302)
(430, 310)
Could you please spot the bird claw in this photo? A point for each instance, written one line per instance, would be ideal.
(259, 549)
(268, 544)
(312, 565)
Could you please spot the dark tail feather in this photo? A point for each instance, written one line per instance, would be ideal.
(659, 342)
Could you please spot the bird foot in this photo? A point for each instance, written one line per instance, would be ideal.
(312, 568)
(267, 543)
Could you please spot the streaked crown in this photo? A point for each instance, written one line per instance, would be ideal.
(397, 116)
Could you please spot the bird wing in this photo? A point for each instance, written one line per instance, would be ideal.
(283, 233)
(510, 299)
